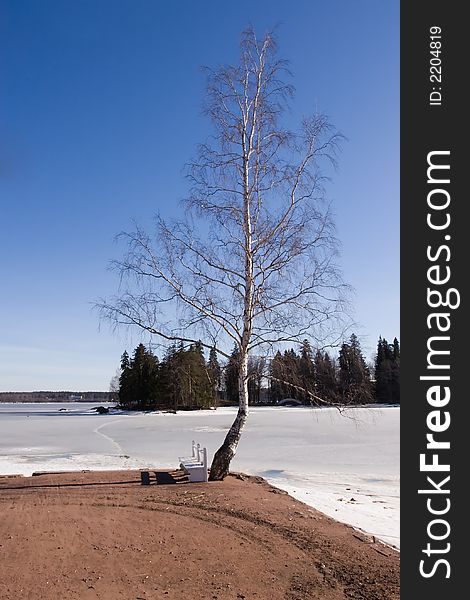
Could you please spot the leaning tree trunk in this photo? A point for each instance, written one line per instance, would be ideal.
(222, 458)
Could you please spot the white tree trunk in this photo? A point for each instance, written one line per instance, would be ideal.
(224, 455)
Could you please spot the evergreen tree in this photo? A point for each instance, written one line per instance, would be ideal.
(396, 372)
(306, 373)
(383, 372)
(276, 375)
(326, 378)
(171, 378)
(231, 376)
(138, 384)
(144, 367)
(396, 349)
(200, 385)
(354, 374)
(215, 374)
(292, 387)
(125, 362)
(387, 372)
(125, 384)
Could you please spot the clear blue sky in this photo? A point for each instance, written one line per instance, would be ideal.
(100, 107)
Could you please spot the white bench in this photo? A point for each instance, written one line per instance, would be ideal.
(195, 454)
(195, 466)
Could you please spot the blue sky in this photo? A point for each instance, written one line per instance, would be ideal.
(100, 107)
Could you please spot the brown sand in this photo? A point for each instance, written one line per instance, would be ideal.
(104, 535)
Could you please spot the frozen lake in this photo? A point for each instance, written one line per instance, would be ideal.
(345, 465)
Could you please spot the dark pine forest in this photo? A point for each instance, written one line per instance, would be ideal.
(184, 379)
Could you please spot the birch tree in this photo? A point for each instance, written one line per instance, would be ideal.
(252, 261)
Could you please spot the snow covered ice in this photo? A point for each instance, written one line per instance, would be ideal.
(346, 465)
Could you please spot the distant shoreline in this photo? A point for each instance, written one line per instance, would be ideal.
(108, 397)
(58, 396)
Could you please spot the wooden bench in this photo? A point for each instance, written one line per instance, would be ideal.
(195, 466)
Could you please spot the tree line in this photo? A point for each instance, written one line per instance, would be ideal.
(182, 380)
(185, 380)
(315, 377)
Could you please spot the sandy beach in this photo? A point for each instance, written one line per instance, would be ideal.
(103, 535)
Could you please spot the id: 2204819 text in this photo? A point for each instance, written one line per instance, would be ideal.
(435, 65)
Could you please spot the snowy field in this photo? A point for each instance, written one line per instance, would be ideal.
(344, 465)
